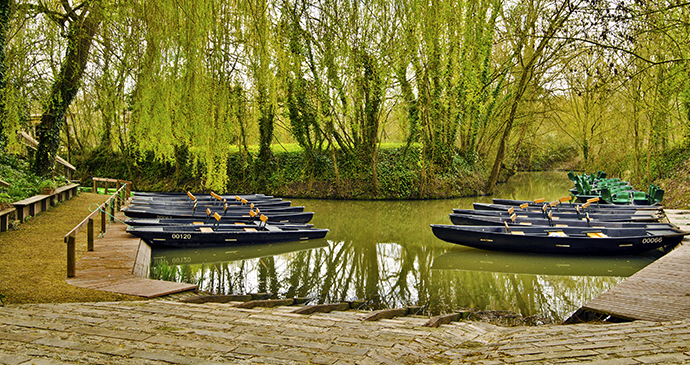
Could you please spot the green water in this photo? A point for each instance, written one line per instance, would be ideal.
(385, 253)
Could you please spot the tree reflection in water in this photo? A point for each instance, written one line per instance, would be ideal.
(383, 252)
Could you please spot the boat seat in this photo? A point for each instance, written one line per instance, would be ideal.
(206, 229)
(250, 229)
(557, 234)
(520, 233)
(596, 235)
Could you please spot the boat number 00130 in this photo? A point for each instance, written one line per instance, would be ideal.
(181, 236)
(652, 240)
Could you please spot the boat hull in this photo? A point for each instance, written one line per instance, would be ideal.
(484, 220)
(191, 237)
(292, 217)
(609, 217)
(534, 240)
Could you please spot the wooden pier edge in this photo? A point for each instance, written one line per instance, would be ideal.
(658, 292)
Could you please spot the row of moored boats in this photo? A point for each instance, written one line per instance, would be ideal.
(567, 226)
(204, 220)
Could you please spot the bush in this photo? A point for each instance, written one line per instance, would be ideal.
(16, 172)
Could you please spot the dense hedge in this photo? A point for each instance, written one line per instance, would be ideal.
(401, 174)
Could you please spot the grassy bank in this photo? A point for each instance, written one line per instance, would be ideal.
(400, 173)
(33, 258)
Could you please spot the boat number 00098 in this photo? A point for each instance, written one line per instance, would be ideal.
(181, 236)
(652, 240)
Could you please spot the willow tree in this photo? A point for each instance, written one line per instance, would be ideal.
(589, 114)
(301, 78)
(4, 26)
(256, 30)
(185, 99)
(82, 21)
(448, 80)
(335, 77)
(532, 47)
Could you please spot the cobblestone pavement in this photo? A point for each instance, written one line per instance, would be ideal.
(164, 331)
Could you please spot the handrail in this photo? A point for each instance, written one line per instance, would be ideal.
(96, 180)
(70, 237)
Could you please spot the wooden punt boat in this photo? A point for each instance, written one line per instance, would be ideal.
(561, 240)
(565, 203)
(292, 217)
(193, 212)
(607, 217)
(186, 196)
(210, 222)
(210, 204)
(562, 208)
(485, 220)
(190, 236)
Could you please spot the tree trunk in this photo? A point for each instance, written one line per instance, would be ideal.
(4, 24)
(560, 17)
(80, 35)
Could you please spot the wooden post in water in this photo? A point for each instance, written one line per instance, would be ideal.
(71, 256)
(89, 236)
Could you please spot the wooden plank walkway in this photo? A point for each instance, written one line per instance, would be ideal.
(659, 292)
(110, 267)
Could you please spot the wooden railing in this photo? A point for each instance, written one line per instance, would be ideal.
(106, 184)
(112, 204)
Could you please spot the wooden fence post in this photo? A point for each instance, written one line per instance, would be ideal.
(71, 256)
(89, 236)
(95, 187)
(105, 206)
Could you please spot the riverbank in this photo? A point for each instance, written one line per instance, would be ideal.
(33, 256)
(164, 331)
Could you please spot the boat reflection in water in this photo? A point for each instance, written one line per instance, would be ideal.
(217, 255)
(385, 253)
(472, 259)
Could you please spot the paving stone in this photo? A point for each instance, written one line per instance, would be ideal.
(7, 335)
(283, 341)
(614, 361)
(186, 343)
(172, 358)
(10, 359)
(159, 332)
(673, 358)
(364, 341)
(348, 350)
(105, 332)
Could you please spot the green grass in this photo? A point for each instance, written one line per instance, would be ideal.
(295, 147)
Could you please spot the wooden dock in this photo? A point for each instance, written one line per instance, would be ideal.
(111, 266)
(659, 292)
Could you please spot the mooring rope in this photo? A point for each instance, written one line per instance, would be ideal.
(110, 221)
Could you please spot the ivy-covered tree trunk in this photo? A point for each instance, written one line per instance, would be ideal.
(4, 24)
(80, 34)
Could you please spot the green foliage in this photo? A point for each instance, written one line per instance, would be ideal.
(16, 172)
(402, 175)
(546, 153)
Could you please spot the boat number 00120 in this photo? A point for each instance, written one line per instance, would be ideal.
(181, 236)
(652, 240)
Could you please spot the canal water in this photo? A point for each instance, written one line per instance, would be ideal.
(384, 253)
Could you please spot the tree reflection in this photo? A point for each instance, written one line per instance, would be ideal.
(385, 254)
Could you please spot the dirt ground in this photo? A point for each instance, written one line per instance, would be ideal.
(33, 257)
